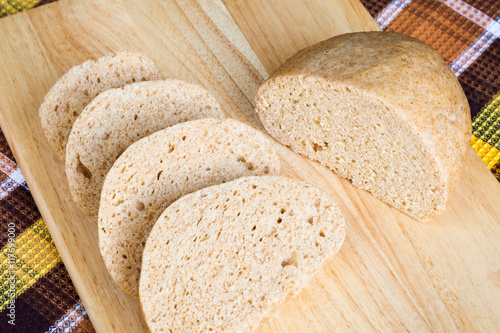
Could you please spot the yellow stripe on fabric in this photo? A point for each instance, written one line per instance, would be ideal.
(39, 253)
(489, 154)
(9, 7)
(35, 256)
(486, 125)
(486, 135)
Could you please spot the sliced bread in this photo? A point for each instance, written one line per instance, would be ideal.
(160, 168)
(66, 99)
(117, 118)
(380, 108)
(224, 258)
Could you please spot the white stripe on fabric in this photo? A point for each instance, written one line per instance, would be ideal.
(8, 185)
(69, 321)
(473, 51)
(389, 13)
(494, 27)
(18, 177)
(475, 15)
(9, 167)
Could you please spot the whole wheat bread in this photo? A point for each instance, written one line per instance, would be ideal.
(224, 258)
(117, 118)
(74, 90)
(380, 108)
(160, 168)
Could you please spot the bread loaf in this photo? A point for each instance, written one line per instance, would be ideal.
(224, 258)
(382, 109)
(117, 118)
(71, 93)
(160, 168)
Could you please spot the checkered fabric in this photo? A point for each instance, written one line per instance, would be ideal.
(465, 33)
(45, 299)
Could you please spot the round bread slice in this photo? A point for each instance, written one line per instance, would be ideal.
(223, 258)
(66, 99)
(380, 108)
(117, 118)
(158, 169)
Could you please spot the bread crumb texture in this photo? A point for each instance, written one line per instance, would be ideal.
(224, 258)
(117, 118)
(160, 168)
(71, 93)
(380, 108)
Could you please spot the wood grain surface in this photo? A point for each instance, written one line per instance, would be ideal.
(37, 47)
(392, 274)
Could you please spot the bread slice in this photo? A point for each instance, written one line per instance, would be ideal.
(66, 99)
(117, 118)
(158, 169)
(222, 259)
(380, 108)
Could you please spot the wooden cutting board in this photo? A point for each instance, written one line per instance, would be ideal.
(392, 274)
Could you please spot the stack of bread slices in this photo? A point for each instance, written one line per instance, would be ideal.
(193, 216)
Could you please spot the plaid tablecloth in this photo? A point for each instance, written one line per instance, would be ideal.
(466, 33)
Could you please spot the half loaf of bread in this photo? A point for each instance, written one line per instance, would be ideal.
(117, 118)
(74, 90)
(380, 108)
(159, 169)
(224, 258)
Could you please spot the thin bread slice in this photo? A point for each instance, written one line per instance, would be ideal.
(117, 118)
(158, 169)
(224, 258)
(380, 108)
(71, 93)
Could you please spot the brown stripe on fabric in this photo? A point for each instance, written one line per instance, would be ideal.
(3, 176)
(437, 25)
(489, 7)
(75, 315)
(53, 294)
(481, 80)
(4, 147)
(375, 7)
(17, 207)
(28, 320)
(21, 201)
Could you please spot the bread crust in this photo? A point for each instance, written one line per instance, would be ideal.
(250, 244)
(117, 118)
(158, 169)
(406, 75)
(74, 90)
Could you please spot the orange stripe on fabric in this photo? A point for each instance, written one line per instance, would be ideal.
(437, 25)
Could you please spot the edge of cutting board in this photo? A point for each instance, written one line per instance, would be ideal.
(386, 275)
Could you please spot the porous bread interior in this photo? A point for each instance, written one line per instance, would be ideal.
(117, 118)
(358, 137)
(158, 169)
(224, 258)
(74, 90)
